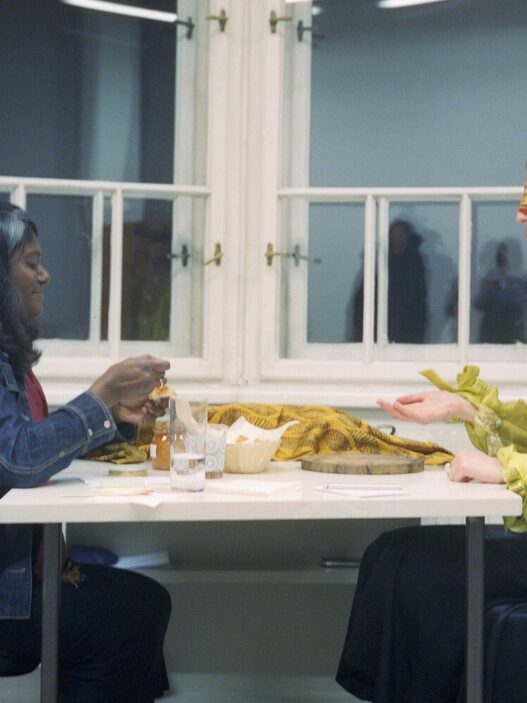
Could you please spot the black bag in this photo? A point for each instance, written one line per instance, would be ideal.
(506, 652)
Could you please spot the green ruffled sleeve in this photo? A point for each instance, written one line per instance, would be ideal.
(496, 424)
(515, 472)
(499, 429)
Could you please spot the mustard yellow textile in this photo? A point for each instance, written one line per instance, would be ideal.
(119, 453)
(325, 430)
(499, 429)
(321, 430)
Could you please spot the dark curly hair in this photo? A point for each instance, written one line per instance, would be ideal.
(17, 331)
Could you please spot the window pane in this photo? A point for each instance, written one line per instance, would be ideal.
(147, 241)
(422, 273)
(499, 276)
(65, 227)
(321, 273)
(90, 94)
(162, 291)
(335, 267)
(395, 94)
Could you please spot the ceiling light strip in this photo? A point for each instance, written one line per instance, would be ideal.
(394, 4)
(128, 10)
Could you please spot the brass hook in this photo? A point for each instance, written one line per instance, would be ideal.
(222, 19)
(216, 259)
(269, 254)
(274, 19)
(295, 255)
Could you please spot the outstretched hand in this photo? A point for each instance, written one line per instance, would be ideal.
(429, 406)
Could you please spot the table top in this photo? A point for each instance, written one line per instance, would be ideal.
(66, 498)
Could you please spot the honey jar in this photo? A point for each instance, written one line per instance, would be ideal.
(160, 445)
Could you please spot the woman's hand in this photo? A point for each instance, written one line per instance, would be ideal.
(143, 414)
(430, 406)
(471, 464)
(129, 382)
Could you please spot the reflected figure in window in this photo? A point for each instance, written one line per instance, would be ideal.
(407, 290)
(502, 297)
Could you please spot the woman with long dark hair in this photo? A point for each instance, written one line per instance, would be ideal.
(112, 622)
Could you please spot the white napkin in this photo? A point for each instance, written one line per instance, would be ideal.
(245, 428)
(249, 487)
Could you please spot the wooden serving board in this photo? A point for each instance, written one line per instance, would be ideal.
(362, 464)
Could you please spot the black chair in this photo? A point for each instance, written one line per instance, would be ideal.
(506, 652)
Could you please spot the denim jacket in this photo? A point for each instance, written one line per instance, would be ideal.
(31, 452)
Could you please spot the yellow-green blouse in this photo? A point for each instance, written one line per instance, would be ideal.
(499, 429)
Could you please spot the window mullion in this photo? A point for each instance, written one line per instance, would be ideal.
(465, 237)
(382, 274)
(96, 267)
(116, 279)
(369, 278)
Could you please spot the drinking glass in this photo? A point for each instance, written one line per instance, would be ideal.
(188, 426)
(215, 450)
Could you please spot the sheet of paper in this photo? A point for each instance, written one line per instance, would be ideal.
(362, 492)
(117, 483)
(248, 487)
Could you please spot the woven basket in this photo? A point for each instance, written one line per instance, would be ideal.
(249, 458)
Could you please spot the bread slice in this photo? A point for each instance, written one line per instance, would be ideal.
(161, 392)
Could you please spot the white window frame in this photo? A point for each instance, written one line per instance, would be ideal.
(326, 372)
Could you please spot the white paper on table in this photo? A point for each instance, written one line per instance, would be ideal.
(247, 429)
(117, 483)
(248, 487)
(362, 491)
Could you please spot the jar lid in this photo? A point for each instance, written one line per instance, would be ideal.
(161, 425)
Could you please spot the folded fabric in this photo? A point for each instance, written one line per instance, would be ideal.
(325, 430)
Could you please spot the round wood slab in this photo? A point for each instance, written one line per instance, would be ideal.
(362, 464)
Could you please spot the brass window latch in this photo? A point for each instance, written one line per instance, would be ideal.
(295, 255)
(189, 24)
(274, 19)
(184, 256)
(222, 19)
(216, 259)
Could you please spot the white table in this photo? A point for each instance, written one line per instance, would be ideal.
(429, 494)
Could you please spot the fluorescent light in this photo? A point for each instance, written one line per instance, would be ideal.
(392, 4)
(128, 10)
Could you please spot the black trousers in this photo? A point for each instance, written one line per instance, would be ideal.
(406, 635)
(111, 633)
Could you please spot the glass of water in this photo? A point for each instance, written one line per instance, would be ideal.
(188, 427)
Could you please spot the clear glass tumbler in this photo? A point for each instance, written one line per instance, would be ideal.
(215, 450)
(188, 426)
